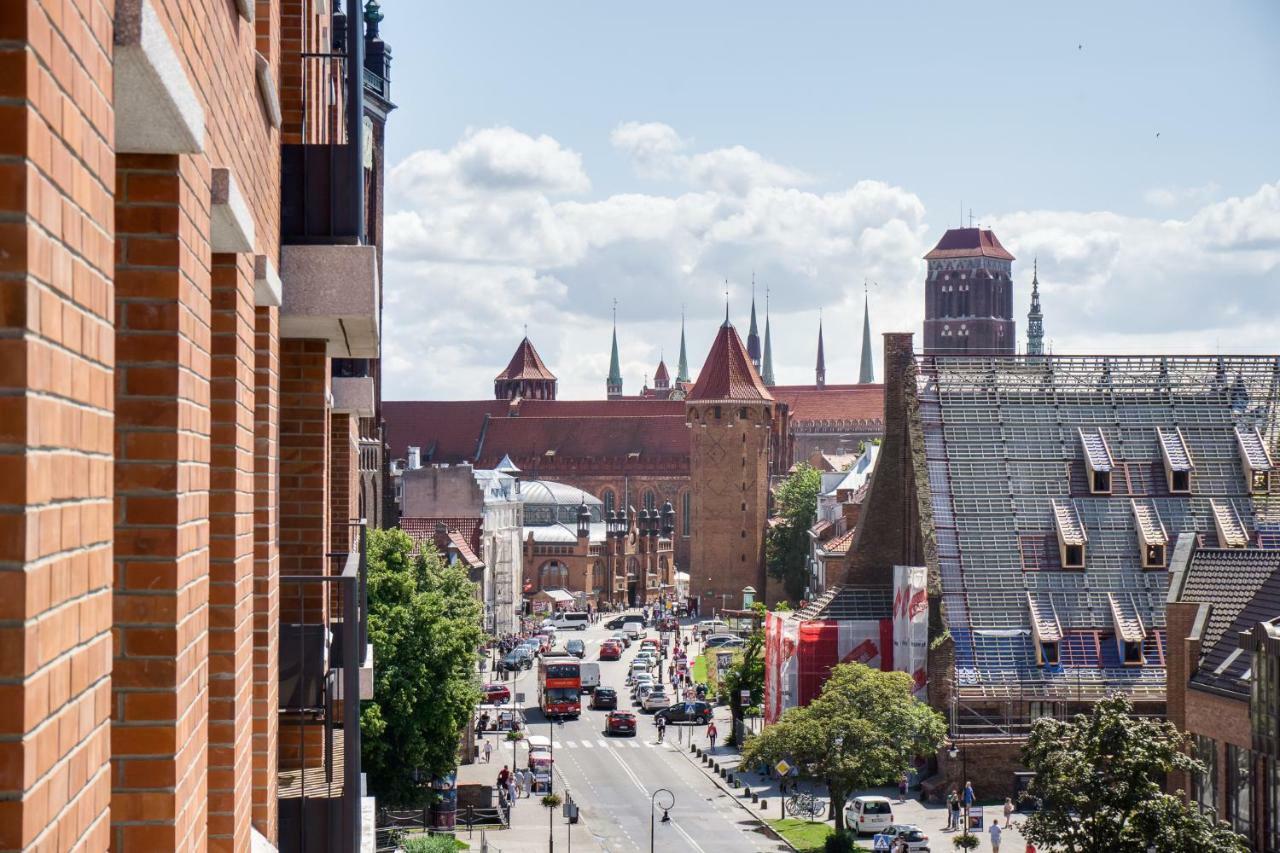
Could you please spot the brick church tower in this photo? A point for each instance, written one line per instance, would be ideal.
(968, 296)
(730, 416)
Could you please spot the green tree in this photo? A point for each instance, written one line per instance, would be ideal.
(1098, 778)
(745, 673)
(787, 544)
(861, 732)
(424, 623)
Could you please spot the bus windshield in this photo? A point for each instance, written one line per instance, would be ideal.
(562, 670)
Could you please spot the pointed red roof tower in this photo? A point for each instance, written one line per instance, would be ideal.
(662, 378)
(728, 373)
(968, 295)
(526, 376)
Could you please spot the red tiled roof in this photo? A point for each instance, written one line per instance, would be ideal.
(810, 403)
(969, 243)
(661, 376)
(423, 529)
(525, 364)
(840, 544)
(464, 550)
(625, 407)
(585, 437)
(446, 430)
(728, 373)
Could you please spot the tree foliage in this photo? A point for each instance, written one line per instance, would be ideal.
(787, 544)
(1099, 781)
(424, 623)
(861, 732)
(745, 673)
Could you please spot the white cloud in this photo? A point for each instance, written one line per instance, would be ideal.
(481, 240)
(1172, 196)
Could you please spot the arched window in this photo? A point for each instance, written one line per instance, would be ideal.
(650, 500)
(599, 574)
(686, 514)
(553, 575)
(609, 500)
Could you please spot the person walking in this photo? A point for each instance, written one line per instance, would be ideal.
(488, 751)
(512, 790)
(996, 832)
(953, 810)
(1008, 811)
(902, 788)
(662, 728)
(711, 735)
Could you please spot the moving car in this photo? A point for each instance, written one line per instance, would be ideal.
(917, 840)
(604, 699)
(639, 668)
(518, 658)
(609, 650)
(590, 676)
(724, 641)
(577, 648)
(646, 658)
(656, 700)
(634, 629)
(695, 713)
(868, 814)
(574, 620)
(620, 723)
(496, 694)
(617, 622)
(712, 626)
(643, 690)
(621, 637)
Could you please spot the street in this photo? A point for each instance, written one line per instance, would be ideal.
(613, 779)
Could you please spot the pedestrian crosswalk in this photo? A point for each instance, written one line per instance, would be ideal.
(613, 743)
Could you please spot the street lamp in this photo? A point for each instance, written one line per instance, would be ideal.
(953, 751)
(666, 811)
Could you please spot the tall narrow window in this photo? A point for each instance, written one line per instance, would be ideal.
(608, 499)
(650, 501)
(1204, 785)
(686, 514)
(1240, 789)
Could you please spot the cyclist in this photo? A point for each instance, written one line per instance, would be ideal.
(662, 728)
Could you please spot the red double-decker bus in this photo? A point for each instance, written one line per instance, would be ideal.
(560, 686)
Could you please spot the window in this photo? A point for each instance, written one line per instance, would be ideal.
(1204, 785)
(609, 500)
(1049, 653)
(686, 515)
(1240, 789)
(1074, 558)
(650, 500)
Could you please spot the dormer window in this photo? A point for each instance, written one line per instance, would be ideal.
(1153, 540)
(1177, 460)
(1045, 628)
(1071, 535)
(1231, 532)
(1097, 460)
(1130, 632)
(1255, 458)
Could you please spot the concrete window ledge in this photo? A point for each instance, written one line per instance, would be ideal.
(267, 90)
(331, 293)
(157, 111)
(267, 287)
(353, 395)
(230, 223)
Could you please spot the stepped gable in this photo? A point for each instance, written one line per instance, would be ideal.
(969, 243)
(1006, 442)
(525, 364)
(728, 373)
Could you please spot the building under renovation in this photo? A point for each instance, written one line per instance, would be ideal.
(1044, 493)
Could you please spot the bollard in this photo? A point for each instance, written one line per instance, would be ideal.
(764, 805)
(755, 798)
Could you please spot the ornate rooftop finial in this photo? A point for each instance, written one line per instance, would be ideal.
(373, 16)
(866, 369)
(682, 369)
(767, 373)
(1035, 318)
(726, 303)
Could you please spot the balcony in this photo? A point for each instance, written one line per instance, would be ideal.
(325, 657)
(332, 293)
(353, 395)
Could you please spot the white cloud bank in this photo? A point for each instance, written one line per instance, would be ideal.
(498, 232)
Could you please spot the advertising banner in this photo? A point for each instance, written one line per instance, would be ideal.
(911, 623)
(781, 671)
(826, 642)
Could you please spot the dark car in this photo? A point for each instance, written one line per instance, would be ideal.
(617, 622)
(496, 694)
(697, 713)
(518, 659)
(604, 699)
(577, 648)
(620, 723)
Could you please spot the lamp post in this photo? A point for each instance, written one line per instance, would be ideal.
(954, 751)
(666, 811)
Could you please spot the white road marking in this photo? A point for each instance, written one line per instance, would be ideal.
(603, 744)
(635, 744)
(555, 744)
(587, 744)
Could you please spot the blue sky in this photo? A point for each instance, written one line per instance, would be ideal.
(1040, 119)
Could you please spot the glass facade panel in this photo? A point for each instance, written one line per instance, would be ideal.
(1204, 785)
(1240, 789)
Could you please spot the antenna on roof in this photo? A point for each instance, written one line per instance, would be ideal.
(971, 217)
(726, 301)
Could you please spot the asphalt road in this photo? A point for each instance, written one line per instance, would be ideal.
(613, 779)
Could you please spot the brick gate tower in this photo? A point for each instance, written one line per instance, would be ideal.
(730, 416)
(968, 296)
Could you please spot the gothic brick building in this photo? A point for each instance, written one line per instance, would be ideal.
(968, 302)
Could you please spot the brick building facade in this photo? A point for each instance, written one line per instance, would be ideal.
(968, 295)
(150, 408)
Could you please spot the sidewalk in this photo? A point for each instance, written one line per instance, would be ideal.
(529, 818)
(930, 817)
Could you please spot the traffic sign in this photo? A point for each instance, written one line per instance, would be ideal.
(745, 696)
(782, 767)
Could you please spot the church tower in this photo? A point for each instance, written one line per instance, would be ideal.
(682, 368)
(820, 371)
(968, 296)
(1035, 319)
(613, 385)
(766, 372)
(753, 334)
(866, 369)
(525, 377)
(729, 412)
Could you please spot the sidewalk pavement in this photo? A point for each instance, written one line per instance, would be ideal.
(930, 817)
(529, 820)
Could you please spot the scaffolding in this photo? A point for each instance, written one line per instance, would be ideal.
(1011, 444)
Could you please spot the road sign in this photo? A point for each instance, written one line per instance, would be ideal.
(745, 696)
(519, 700)
(782, 767)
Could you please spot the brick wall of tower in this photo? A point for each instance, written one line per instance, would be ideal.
(266, 567)
(57, 178)
(729, 476)
(344, 479)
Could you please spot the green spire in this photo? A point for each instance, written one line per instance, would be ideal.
(613, 385)
(767, 373)
(866, 371)
(682, 369)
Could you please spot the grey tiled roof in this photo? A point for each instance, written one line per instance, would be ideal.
(1226, 667)
(1227, 578)
(849, 602)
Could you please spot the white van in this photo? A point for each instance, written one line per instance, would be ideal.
(571, 620)
(634, 630)
(590, 673)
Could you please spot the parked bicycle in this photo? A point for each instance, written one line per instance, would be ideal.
(804, 805)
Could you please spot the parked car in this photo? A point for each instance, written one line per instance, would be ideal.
(640, 678)
(496, 694)
(712, 626)
(518, 658)
(868, 814)
(917, 840)
(724, 641)
(620, 723)
(572, 620)
(577, 648)
(646, 658)
(639, 668)
(656, 699)
(609, 650)
(604, 699)
(643, 690)
(695, 713)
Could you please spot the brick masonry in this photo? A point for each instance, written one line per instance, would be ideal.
(266, 567)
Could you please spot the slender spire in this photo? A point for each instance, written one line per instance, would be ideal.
(767, 373)
(753, 334)
(613, 385)
(1035, 319)
(820, 374)
(682, 369)
(726, 303)
(866, 370)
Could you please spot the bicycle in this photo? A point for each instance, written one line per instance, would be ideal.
(804, 805)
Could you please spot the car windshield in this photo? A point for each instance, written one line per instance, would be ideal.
(574, 644)
(876, 807)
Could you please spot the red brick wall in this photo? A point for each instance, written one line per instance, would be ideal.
(304, 460)
(231, 554)
(56, 353)
(266, 568)
(344, 479)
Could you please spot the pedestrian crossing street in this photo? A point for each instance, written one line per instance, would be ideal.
(616, 743)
